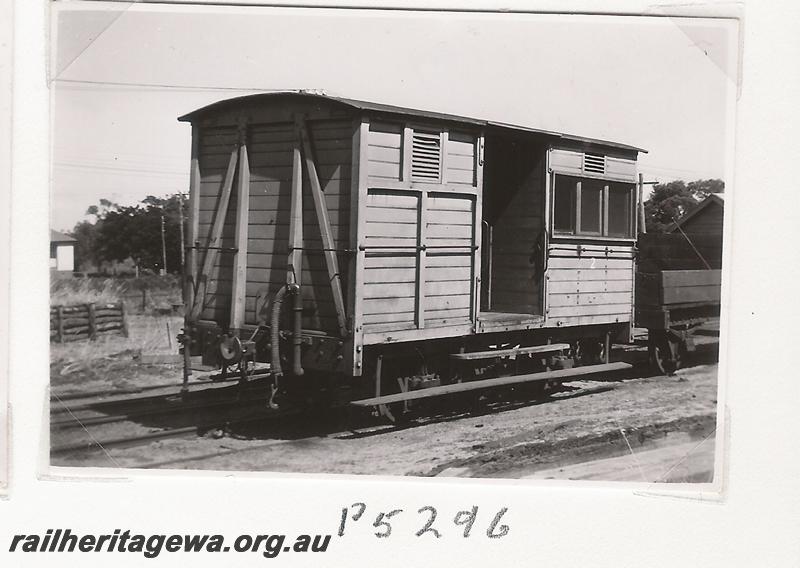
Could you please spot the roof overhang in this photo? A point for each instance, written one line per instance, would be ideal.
(401, 111)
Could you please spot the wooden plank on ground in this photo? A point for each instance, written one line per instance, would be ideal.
(490, 383)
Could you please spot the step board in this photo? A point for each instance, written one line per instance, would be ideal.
(492, 353)
(489, 383)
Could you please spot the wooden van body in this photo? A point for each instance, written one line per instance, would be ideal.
(402, 227)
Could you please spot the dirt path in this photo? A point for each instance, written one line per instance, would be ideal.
(688, 462)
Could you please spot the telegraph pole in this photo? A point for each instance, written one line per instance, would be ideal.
(183, 244)
(163, 247)
(641, 184)
(642, 226)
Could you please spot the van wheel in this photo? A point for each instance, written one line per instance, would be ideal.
(666, 351)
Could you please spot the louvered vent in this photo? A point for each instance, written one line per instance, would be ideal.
(426, 155)
(594, 163)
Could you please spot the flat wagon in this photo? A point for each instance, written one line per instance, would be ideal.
(382, 254)
(678, 283)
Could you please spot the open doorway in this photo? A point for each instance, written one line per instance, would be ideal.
(513, 229)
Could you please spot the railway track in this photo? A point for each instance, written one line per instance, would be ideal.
(95, 443)
(102, 425)
(91, 414)
(575, 390)
(117, 421)
(125, 393)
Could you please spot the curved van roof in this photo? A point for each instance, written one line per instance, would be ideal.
(396, 110)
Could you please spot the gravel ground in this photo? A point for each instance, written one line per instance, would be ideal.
(591, 419)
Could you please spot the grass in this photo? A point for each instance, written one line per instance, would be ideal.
(71, 291)
(113, 360)
(141, 295)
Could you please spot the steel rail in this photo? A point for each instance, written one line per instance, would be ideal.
(263, 414)
(88, 445)
(153, 399)
(227, 378)
(77, 421)
(374, 430)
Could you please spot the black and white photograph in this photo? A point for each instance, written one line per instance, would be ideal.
(390, 243)
(315, 282)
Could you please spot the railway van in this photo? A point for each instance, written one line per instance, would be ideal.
(380, 255)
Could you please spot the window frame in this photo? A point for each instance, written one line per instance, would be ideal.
(576, 232)
(632, 212)
(602, 212)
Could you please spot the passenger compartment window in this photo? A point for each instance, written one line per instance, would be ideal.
(592, 207)
(590, 221)
(564, 205)
(620, 201)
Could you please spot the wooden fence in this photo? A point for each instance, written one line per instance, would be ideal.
(146, 300)
(87, 321)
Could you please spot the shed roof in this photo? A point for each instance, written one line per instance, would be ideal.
(405, 111)
(56, 237)
(719, 199)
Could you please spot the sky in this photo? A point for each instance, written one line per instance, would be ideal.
(120, 77)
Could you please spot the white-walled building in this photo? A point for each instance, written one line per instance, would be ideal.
(62, 252)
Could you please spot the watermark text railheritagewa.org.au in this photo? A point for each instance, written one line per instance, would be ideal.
(64, 540)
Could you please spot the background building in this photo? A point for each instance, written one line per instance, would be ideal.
(704, 219)
(62, 252)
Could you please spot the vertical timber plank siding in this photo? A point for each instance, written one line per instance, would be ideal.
(194, 217)
(271, 159)
(589, 284)
(214, 151)
(329, 248)
(332, 145)
(270, 155)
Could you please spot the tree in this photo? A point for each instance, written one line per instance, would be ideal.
(99, 211)
(702, 188)
(123, 232)
(670, 201)
(85, 233)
